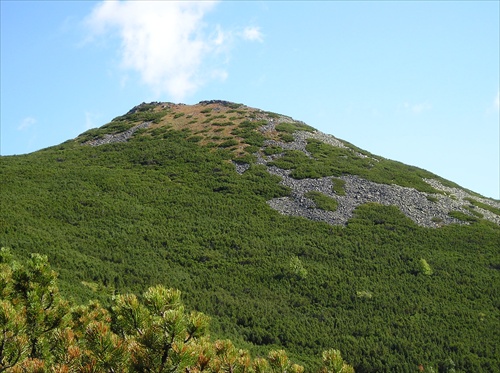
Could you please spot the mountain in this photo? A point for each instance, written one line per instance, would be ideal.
(283, 235)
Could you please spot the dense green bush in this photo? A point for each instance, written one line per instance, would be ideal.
(271, 150)
(322, 201)
(247, 131)
(476, 203)
(161, 209)
(146, 115)
(338, 186)
(228, 143)
(291, 127)
(286, 137)
(42, 332)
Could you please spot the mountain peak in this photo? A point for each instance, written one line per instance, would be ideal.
(310, 163)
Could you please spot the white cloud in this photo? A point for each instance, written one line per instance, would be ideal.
(26, 123)
(89, 120)
(221, 36)
(165, 41)
(496, 102)
(417, 108)
(253, 34)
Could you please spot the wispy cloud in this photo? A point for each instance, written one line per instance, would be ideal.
(496, 101)
(417, 108)
(167, 42)
(89, 120)
(26, 123)
(162, 40)
(253, 33)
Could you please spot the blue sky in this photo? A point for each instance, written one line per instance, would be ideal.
(417, 82)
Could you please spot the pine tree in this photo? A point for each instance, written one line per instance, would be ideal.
(40, 332)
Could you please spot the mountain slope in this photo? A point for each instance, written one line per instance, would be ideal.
(284, 235)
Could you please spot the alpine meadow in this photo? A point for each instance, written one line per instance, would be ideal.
(218, 237)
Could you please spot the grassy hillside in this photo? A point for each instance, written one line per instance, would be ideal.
(168, 207)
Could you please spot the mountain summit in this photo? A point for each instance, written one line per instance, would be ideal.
(310, 163)
(285, 236)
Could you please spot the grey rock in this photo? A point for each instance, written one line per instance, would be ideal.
(117, 137)
(425, 209)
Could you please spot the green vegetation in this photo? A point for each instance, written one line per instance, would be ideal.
(212, 118)
(228, 143)
(195, 138)
(364, 294)
(291, 127)
(247, 131)
(142, 114)
(223, 124)
(297, 269)
(234, 105)
(165, 208)
(425, 267)
(432, 198)
(93, 133)
(483, 206)
(338, 186)
(463, 216)
(472, 209)
(322, 201)
(271, 150)
(328, 160)
(241, 112)
(42, 332)
(272, 115)
(286, 137)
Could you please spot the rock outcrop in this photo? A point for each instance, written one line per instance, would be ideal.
(117, 137)
(425, 209)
